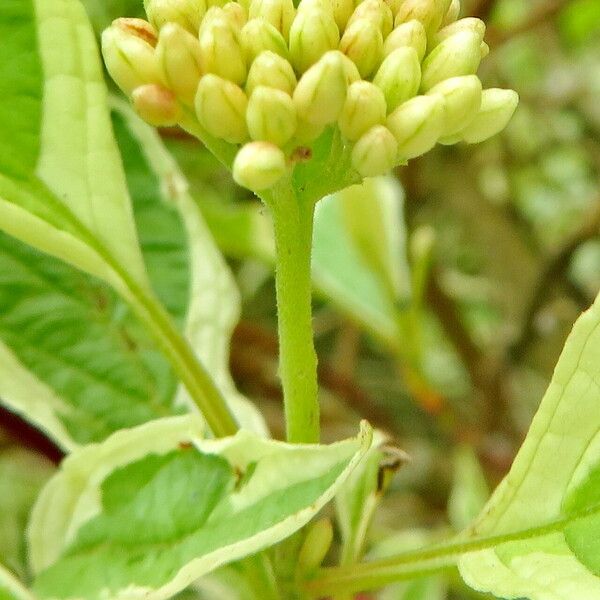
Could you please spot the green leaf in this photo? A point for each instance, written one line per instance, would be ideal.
(11, 588)
(154, 508)
(62, 188)
(194, 280)
(73, 361)
(542, 523)
(22, 475)
(372, 213)
(469, 491)
(340, 272)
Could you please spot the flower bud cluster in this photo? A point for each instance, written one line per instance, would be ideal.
(395, 76)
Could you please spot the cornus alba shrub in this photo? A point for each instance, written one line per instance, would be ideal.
(392, 78)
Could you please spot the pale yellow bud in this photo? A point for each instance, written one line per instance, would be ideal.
(221, 108)
(407, 35)
(221, 51)
(394, 6)
(316, 545)
(280, 13)
(351, 70)
(312, 34)
(259, 36)
(399, 76)
(471, 24)
(321, 92)
(271, 70)
(186, 13)
(376, 11)
(271, 116)
(417, 125)
(308, 5)
(178, 53)
(375, 153)
(457, 55)
(236, 14)
(342, 11)
(362, 43)
(462, 97)
(364, 107)
(497, 109)
(129, 55)
(485, 50)
(258, 166)
(452, 14)
(156, 105)
(429, 12)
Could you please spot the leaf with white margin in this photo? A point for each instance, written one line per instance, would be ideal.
(62, 188)
(11, 588)
(541, 528)
(152, 509)
(214, 300)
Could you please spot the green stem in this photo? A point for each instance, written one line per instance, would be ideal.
(186, 365)
(293, 223)
(409, 565)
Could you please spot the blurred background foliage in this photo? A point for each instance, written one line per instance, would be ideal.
(442, 307)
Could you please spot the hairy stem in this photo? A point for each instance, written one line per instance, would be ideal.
(293, 223)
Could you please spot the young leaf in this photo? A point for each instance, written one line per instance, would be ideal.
(543, 521)
(154, 508)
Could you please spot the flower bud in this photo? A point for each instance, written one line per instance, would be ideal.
(429, 12)
(375, 152)
(376, 11)
(178, 53)
(259, 36)
(342, 11)
(221, 51)
(312, 34)
(128, 51)
(321, 92)
(497, 108)
(316, 545)
(471, 24)
(394, 6)
(271, 116)
(271, 70)
(407, 35)
(457, 55)
(280, 13)
(221, 108)
(186, 13)
(417, 125)
(156, 105)
(362, 43)
(364, 108)
(399, 76)
(351, 71)
(258, 166)
(462, 97)
(452, 14)
(236, 14)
